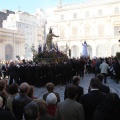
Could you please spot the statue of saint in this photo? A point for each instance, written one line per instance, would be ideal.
(49, 38)
(84, 50)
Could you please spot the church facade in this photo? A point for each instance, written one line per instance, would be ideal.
(11, 44)
(97, 23)
(32, 26)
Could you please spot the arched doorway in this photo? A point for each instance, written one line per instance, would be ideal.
(8, 52)
(115, 48)
(75, 51)
(101, 51)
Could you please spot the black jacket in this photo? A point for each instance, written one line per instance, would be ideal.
(80, 92)
(19, 102)
(102, 88)
(90, 101)
(46, 117)
(6, 115)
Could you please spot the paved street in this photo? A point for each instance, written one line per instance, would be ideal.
(114, 87)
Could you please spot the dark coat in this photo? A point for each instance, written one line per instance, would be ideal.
(90, 101)
(108, 111)
(46, 117)
(6, 115)
(19, 102)
(102, 88)
(12, 70)
(80, 92)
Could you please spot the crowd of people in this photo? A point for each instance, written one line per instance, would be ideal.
(38, 74)
(17, 100)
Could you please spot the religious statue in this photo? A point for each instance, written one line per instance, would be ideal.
(49, 38)
(84, 50)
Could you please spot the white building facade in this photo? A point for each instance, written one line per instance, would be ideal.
(32, 26)
(11, 44)
(96, 22)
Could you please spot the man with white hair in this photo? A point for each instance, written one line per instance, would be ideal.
(104, 70)
(21, 100)
(51, 100)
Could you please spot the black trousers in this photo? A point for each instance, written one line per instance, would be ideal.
(105, 77)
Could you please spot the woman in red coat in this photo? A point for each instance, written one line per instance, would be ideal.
(51, 102)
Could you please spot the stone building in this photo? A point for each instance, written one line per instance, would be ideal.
(97, 22)
(32, 26)
(11, 44)
(3, 15)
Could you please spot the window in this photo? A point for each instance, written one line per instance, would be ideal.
(116, 30)
(99, 12)
(74, 16)
(62, 17)
(61, 33)
(100, 31)
(87, 31)
(19, 25)
(74, 32)
(87, 14)
(116, 10)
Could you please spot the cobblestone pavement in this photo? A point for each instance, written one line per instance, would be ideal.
(114, 87)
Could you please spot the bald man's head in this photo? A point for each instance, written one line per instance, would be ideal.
(24, 87)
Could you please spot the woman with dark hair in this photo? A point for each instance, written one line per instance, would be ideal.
(13, 91)
(5, 114)
(3, 89)
(43, 110)
(31, 92)
(109, 110)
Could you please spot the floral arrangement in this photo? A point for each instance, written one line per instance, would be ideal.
(50, 56)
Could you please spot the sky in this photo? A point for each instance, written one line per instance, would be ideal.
(31, 5)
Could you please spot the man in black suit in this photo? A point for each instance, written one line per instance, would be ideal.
(92, 99)
(12, 70)
(75, 81)
(102, 88)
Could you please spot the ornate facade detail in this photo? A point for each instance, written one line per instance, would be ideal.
(96, 21)
(12, 44)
